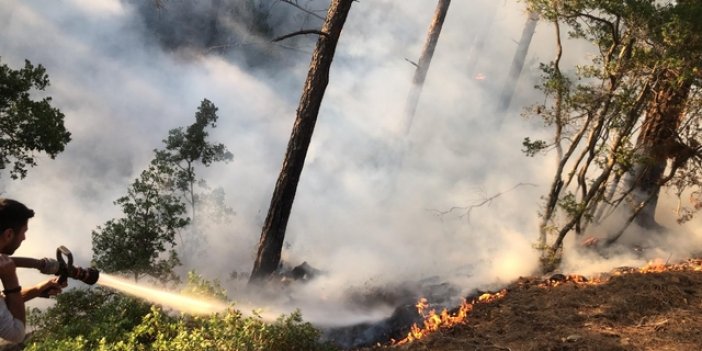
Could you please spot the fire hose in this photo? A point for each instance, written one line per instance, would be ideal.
(63, 268)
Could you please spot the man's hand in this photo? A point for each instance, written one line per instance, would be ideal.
(49, 288)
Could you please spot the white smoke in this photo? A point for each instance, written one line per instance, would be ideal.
(370, 204)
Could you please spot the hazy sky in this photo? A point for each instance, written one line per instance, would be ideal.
(366, 206)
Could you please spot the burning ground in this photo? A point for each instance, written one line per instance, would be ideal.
(658, 307)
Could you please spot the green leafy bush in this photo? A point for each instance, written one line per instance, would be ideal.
(98, 319)
(226, 331)
(85, 316)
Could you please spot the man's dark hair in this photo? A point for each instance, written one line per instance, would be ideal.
(13, 214)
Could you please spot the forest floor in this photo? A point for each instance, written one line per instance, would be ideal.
(658, 307)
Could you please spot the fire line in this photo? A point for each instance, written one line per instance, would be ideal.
(435, 321)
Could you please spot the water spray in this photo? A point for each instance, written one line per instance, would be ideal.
(187, 304)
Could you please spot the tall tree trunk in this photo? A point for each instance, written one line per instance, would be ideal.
(273, 233)
(657, 143)
(420, 74)
(518, 62)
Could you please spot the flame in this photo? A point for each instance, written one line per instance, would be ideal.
(655, 266)
(422, 305)
(480, 76)
(434, 321)
(487, 298)
(660, 265)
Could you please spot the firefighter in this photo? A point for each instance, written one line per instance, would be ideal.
(13, 228)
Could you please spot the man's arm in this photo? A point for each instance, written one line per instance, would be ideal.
(50, 287)
(12, 328)
(14, 301)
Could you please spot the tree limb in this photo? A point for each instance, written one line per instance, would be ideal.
(291, 3)
(485, 201)
(300, 32)
(412, 63)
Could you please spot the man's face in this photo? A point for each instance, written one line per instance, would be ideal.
(17, 239)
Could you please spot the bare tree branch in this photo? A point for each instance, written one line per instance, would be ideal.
(486, 201)
(300, 32)
(412, 63)
(294, 4)
(254, 43)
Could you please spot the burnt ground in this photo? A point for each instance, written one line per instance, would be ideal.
(628, 309)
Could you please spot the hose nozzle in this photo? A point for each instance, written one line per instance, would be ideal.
(66, 269)
(88, 276)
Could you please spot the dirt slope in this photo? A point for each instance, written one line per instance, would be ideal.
(628, 309)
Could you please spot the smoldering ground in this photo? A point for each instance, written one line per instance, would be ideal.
(374, 207)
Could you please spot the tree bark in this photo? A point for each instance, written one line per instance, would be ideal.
(518, 61)
(657, 142)
(273, 233)
(420, 74)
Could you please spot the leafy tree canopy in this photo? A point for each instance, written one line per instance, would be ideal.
(136, 243)
(186, 147)
(143, 241)
(636, 106)
(27, 127)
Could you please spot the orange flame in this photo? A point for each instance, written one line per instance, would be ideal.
(655, 266)
(422, 305)
(435, 321)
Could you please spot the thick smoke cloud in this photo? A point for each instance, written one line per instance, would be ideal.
(374, 207)
(242, 30)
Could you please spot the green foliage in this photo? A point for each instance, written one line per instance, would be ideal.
(27, 127)
(552, 81)
(570, 205)
(98, 320)
(531, 148)
(68, 344)
(137, 242)
(186, 147)
(227, 331)
(197, 286)
(85, 317)
(645, 52)
(155, 209)
(625, 157)
(191, 145)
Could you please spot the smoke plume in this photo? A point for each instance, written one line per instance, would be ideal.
(453, 201)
